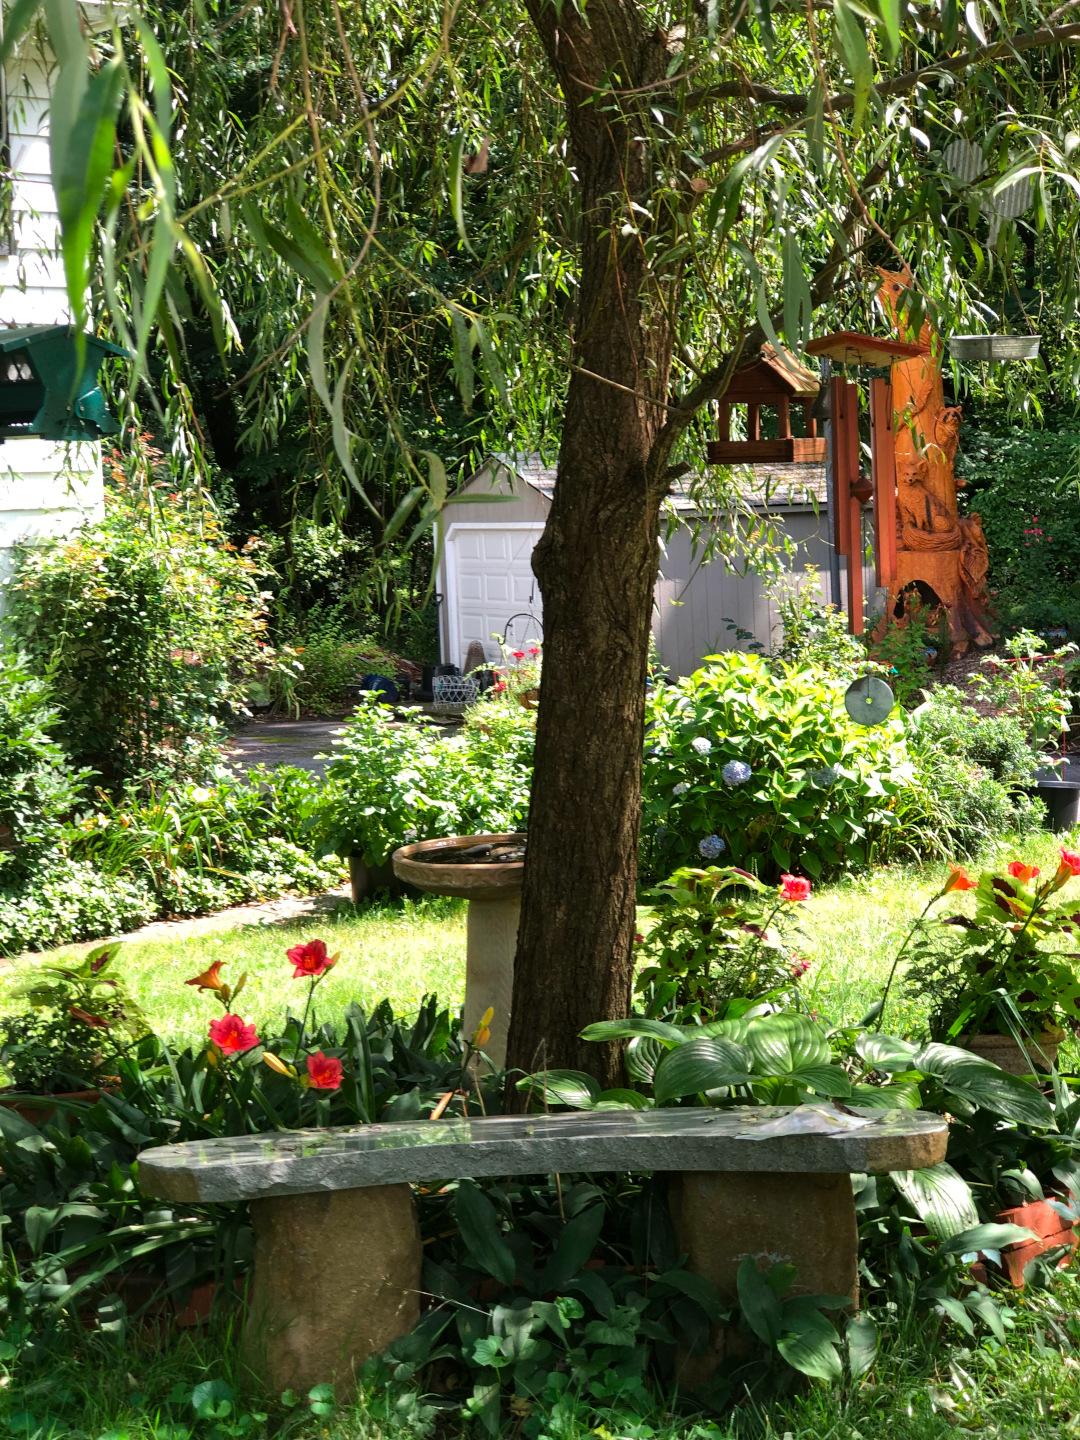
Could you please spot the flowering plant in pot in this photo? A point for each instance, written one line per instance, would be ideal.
(1004, 987)
(58, 1047)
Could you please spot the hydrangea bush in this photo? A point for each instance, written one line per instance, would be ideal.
(759, 762)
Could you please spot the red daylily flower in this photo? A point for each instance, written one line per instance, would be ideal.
(324, 1072)
(209, 979)
(1019, 871)
(232, 1036)
(311, 960)
(958, 879)
(794, 887)
(1070, 860)
(518, 654)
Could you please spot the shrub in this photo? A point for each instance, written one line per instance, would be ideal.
(714, 941)
(390, 784)
(761, 765)
(201, 847)
(38, 788)
(972, 771)
(146, 624)
(812, 633)
(1023, 485)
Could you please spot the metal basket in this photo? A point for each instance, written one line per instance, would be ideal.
(994, 347)
(451, 693)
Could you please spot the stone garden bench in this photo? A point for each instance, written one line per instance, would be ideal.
(337, 1246)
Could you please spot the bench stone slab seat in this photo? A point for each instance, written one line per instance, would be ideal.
(337, 1247)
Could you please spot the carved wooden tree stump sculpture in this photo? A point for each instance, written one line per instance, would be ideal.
(935, 546)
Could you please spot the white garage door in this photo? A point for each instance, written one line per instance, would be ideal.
(491, 582)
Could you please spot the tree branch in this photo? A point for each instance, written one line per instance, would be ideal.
(898, 85)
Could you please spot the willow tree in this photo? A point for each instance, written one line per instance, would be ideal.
(696, 176)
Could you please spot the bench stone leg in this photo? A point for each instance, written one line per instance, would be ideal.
(337, 1277)
(491, 928)
(803, 1220)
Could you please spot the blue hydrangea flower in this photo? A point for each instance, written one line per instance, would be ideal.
(663, 834)
(711, 848)
(824, 778)
(701, 744)
(681, 788)
(736, 772)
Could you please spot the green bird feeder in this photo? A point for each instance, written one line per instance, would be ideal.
(44, 392)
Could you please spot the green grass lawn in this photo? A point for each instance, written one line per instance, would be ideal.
(852, 929)
(400, 951)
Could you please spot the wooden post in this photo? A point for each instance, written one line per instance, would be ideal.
(723, 427)
(753, 422)
(811, 423)
(884, 476)
(841, 476)
(854, 568)
(783, 417)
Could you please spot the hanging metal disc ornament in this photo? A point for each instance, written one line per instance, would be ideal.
(869, 700)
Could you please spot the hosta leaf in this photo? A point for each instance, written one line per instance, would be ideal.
(563, 1087)
(603, 1030)
(810, 1345)
(886, 1052)
(986, 1237)
(785, 1044)
(940, 1197)
(862, 1344)
(478, 1222)
(703, 1064)
(822, 1079)
(642, 1057)
(903, 1096)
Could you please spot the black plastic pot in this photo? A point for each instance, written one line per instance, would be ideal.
(1059, 790)
(365, 879)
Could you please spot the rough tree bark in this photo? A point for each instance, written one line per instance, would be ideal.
(596, 563)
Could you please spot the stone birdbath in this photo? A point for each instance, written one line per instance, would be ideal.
(485, 870)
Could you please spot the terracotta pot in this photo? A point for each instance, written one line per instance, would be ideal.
(1051, 1229)
(1005, 1052)
(529, 698)
(39, 1109)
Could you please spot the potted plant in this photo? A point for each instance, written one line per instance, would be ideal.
(1003, 989)
(60, 1047)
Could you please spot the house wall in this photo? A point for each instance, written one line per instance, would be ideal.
(45, 488)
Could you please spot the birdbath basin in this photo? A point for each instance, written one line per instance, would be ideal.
(485, 870)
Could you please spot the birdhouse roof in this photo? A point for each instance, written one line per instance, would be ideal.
(775, 372)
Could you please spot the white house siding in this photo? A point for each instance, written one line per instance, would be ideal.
(45, 488)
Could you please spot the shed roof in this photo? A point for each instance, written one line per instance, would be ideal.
(768, 484)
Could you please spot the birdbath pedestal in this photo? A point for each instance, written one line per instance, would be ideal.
(473, 868)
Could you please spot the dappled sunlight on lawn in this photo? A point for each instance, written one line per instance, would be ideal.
(401, 952)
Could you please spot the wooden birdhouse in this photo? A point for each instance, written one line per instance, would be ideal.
(774, 381)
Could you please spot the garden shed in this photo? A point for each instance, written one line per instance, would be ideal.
(486, 585)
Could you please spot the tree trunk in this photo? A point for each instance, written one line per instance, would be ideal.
(596, 564)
